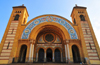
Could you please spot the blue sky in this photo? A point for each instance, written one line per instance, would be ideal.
(59, 7)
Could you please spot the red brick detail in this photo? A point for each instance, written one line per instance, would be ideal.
(89, 46)
(6, 49)
(5, 52)
(10, 33)
(8, 42)
(15, 21)
(91, 49)
(92, 52)
(4, 59)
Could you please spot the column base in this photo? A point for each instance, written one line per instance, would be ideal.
(53, 60)
(45, 60)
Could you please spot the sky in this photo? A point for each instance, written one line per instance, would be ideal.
(58, 7)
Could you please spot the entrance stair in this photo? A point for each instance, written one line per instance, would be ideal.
(45, 64)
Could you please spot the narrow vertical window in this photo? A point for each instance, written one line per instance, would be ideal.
(82, 18)
(86, 31)
(8, 45)
(74, 21)
(12, 31)
(90, 46)
(24, 21)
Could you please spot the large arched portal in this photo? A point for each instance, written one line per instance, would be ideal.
(49, 38)
(49, 55)
(41, 55)
(23, 53)
(76, 55)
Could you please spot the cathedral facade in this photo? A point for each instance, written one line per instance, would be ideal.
(49, 38)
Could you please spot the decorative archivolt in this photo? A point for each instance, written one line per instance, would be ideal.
(70, 29)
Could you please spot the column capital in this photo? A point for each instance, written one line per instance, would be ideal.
(32, 41)
(45, 50)
(66, 41)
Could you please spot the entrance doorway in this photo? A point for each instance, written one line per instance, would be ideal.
(22, 56)
(76, 55)
(49, 55)
(41, 55)
(57, 56)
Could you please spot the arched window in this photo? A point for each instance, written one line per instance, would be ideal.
(16, 17)
(82, 18)
(22, 55)
(41, 55)
(57, 55)
(74, 21)
(76, 54)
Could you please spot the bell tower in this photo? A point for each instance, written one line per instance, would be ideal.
(89, 43)
(20, 14)
(9, 41)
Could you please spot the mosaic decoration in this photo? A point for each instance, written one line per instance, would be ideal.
(58, 39)
(40, 39)
(70, 29)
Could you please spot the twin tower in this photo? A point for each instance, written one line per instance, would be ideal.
(49, 38)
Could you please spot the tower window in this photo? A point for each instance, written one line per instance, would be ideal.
(16, 12)
(74, 21)
(20, 11)
(24, 21)
(82, 18)
(12, 31)
(8, 45)
(16, 17)
(90, 46)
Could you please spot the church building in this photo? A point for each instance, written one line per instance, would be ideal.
(49, 38)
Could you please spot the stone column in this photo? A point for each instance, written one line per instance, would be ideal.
(68, 51)
(31, 52)
(53, 58)
(37, 57)
(61, 57)
(44, 56)
(65, 53)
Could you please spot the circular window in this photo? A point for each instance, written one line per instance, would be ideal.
(49, 37)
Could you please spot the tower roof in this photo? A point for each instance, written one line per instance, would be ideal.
(77, 7)
(19, 6)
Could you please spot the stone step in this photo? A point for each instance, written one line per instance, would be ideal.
(44, 64)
